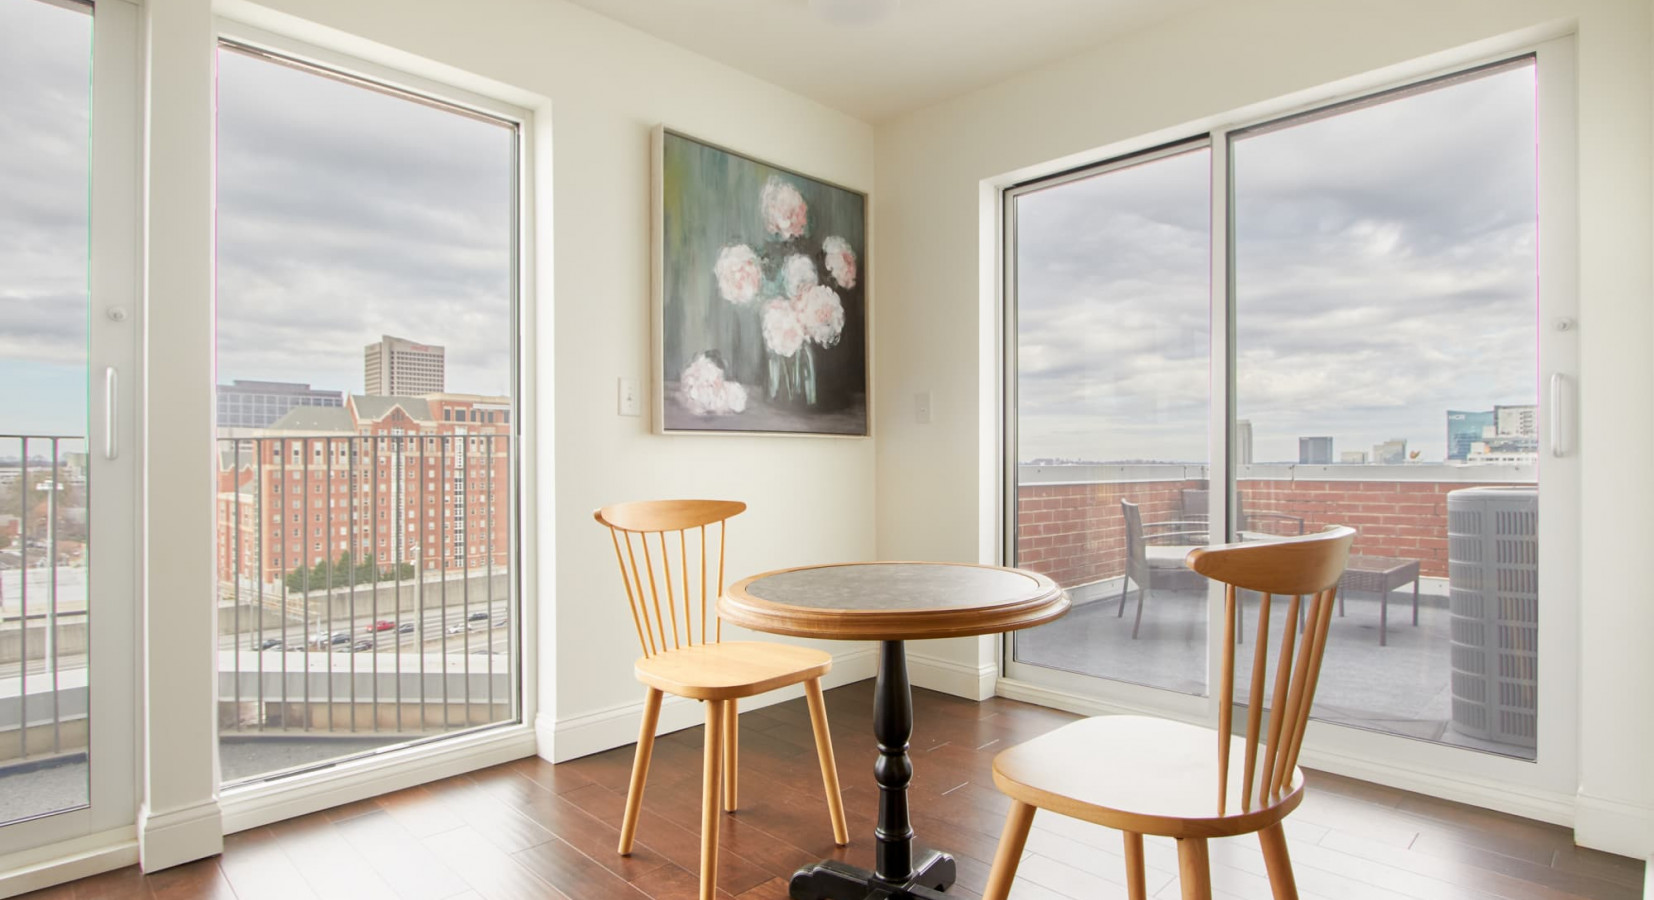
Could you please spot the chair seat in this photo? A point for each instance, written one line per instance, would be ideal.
(1140, 774)
(731, 669)
(1166, 556)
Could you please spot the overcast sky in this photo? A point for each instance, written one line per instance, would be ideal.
(1385, 258)
(343, 214)
(1385, 273)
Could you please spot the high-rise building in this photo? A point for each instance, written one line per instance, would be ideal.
(257, 404)
(1243, 442)
(1465, 428)
(1353, 457)
(416, 482)
(1515, 421)
(398, 367)
(1390, 453)
(1315, 451)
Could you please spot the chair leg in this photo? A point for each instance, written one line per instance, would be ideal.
(709, 798)
(640, 769)
(1125, 587)
(1194, 869)
(1136, 882)
(1009, 854)
(732, 752)
(829, 766)
(1139, 622)
(1278, 863)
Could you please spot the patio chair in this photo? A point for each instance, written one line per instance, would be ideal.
(1154, 555)
(1145, 775)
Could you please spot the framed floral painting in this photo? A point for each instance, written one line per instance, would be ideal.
(760, 278)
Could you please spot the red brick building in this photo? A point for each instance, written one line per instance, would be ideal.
(423, 481)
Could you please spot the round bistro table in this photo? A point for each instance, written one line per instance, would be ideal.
(890, 602)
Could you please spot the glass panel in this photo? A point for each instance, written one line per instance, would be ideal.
(367, 563)
(1112, 300)
(1386, 361)
(45, 135)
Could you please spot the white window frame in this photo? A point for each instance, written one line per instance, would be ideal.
(1543, 788)
(103, 831)
(256, 803)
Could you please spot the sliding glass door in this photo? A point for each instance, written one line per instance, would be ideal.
(67, 345)
(1376, 358)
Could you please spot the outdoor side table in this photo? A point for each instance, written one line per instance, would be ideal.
(890, 602)
(1381, 575)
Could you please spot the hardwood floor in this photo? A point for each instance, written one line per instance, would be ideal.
(533, 830)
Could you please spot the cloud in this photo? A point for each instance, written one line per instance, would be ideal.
(1385, 272)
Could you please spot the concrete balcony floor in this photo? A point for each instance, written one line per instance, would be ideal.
(1401, 688)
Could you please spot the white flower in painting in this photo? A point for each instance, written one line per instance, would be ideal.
(705, 392)
(735, 397)
(783, 207)
(739, 273)
(783, 332)
(841, 261)
(823, 315)
(798, 274)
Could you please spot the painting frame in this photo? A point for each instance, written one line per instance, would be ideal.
(846, 410)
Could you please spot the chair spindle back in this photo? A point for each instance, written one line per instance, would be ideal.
(1301, 567)
(642, 534)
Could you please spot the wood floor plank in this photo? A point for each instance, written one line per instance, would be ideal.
(530, 830)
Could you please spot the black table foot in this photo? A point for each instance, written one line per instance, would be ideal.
(933, 873)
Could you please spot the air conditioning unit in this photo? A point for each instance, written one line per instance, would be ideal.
(1493, 599)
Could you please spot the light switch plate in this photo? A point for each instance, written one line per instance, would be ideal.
(631, 402)
(921, 407)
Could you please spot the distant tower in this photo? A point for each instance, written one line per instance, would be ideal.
(1315, 451)
(397, 367)
(1465, 428)
(1390, 453)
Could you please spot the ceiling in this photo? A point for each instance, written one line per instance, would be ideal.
(927, 51)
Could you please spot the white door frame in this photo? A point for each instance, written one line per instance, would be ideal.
(1543, 788)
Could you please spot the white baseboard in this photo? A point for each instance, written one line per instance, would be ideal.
(1614, 826)
(82, 857)
(1531, 803)
(605, 729)
(949, 677)
(272, 801)
(181, 835)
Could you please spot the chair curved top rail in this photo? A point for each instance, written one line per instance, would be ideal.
(667, 515)
(1296, 565)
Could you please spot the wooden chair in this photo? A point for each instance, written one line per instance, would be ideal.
(646, 536)
(1150, 776)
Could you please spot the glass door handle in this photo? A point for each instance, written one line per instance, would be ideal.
(1559, 392)
(111, 413)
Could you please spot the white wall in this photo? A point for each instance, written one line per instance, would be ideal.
(608, 85)
(935, 319)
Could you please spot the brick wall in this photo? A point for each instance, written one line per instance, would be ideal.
(1075, 533)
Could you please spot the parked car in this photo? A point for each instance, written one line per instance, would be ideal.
(456, 628)
(270, 644)
(361, 645)
(478, 617)
(320, 639)
(341, 637)
(405, 628)
(383, 625)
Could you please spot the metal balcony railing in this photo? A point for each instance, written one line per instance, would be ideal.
(43, 601)
(366, 584)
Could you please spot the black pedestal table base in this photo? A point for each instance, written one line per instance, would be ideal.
(898, 873)
(932, 874)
